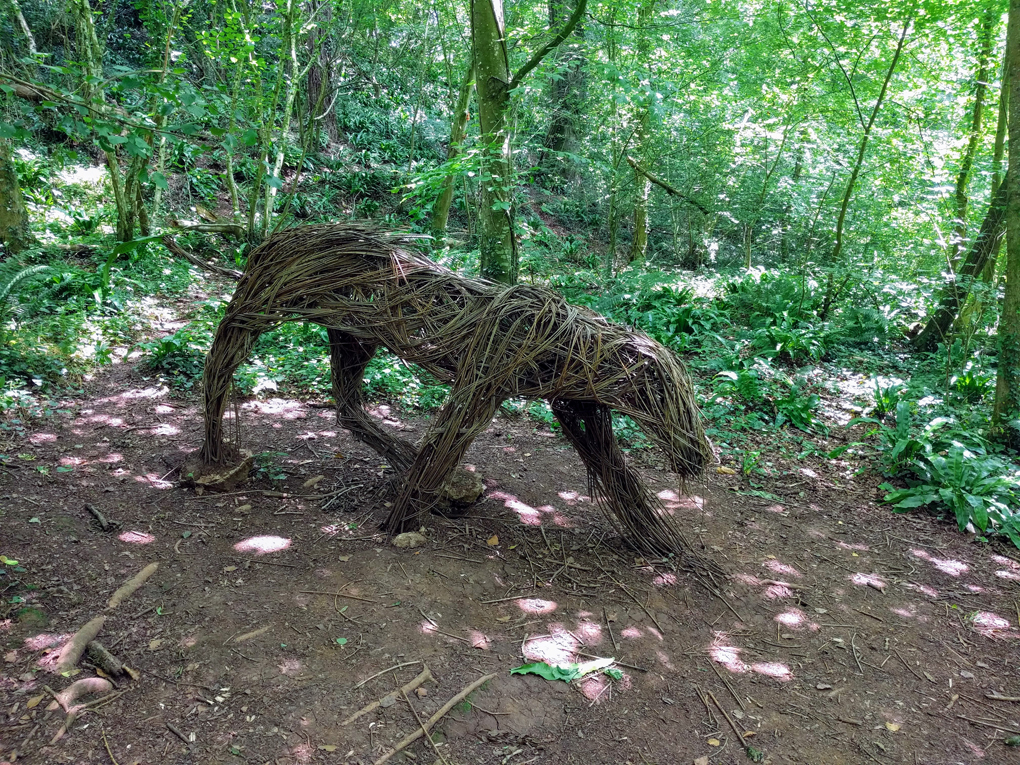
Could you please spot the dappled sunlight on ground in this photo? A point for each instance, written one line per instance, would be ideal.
(479, 640)
(289, 667)
(531, 516)
(723, 652)
(860, 547)
(924, 589)
(262, 544)
(991, 625)
(536, 605)
(908, 611)
(157, 482)
(136, 537)
(774, 590)
(868, 580)
(46, 640)
(42, 438)
(552, 649)
(796, 620)
(665, 580)
(946, 565)
(781, 568)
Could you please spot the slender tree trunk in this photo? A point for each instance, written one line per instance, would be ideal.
(19, 17)
(293, 79)
(15, 233)
(567, 93)
(831, 291)
(458, 130)
(497, 240)
(956, 290)
(496, 237)
(1007, 390)
(642, 185)
(973, 309)
(974, 132)
(92, 59)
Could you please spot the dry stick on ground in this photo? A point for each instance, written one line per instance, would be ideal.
(727, 684)
(129, 587)
(909, 668)
(339, 595)
(616, 646)
(103, 523)
(108, 750)
(380, 674)
(425, 676)
(642, 605)
(71, 653)
(996, 697)
(424, 732)
(736, 730)
(615, 661)
(443, 710)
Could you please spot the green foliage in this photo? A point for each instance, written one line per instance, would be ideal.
(180, 356)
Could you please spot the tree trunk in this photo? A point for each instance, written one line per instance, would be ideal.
(497, 241)
(15, 233)
(639, 244)
(975, 307)
(1007, 389)
(458, 129)
(956, 290)
(831, 291)
(567, 93)
(19, 17)
(974, 133)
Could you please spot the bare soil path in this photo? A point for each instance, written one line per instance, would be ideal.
(844, 634)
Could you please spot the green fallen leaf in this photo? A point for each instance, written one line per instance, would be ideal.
(613, 673)
(1012, 741)
(565, 672)
(34, 520)
(8, 561)
(341, 641)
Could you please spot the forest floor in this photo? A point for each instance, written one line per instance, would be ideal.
(842, 634)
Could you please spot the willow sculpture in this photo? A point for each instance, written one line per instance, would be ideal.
(491, 343)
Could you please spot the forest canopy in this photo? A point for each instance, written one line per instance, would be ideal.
(807, 200)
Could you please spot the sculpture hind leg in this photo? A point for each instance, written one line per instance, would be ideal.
(614, 484)
(465, 414)
(230, 348)
(348, 358)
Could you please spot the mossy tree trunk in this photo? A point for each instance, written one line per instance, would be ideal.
(15, 233)
(458, 130)
(497, 242)
(1006, 410)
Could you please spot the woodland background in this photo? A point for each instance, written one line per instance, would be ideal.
(807, 200)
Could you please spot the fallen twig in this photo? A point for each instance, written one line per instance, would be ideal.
(71, 653)
(421, 725)
(103, 523)
(424, 729)
(129, 587)
(425, 676)
(380, 674)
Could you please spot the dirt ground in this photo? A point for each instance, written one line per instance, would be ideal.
(842, 634)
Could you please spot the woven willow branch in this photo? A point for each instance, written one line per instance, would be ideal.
(491, 343)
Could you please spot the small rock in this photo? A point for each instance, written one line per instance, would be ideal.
(823, 687)
(967, 675)
(421, 692)
(463, 488)
(409, 539)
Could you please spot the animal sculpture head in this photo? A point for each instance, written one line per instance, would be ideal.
(660, 397)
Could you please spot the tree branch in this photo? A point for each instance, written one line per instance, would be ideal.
(667, 188)
(180, 252)
(551, 45)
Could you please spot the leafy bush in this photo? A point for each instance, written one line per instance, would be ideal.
(947, 469)
(976, 488)
(180, 356)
